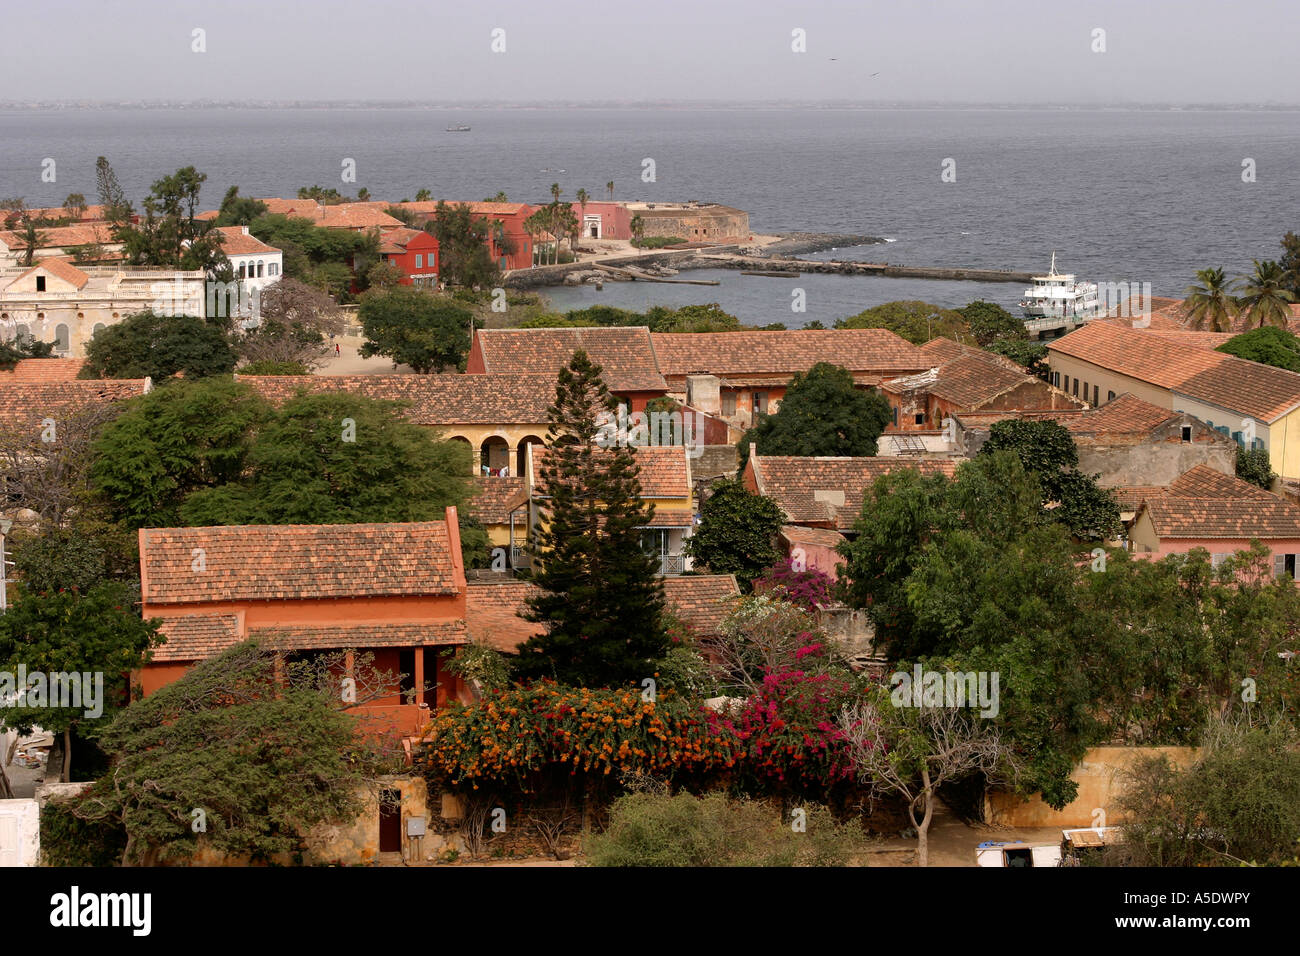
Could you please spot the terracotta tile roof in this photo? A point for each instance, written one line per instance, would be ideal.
(492, 614)
(1124, 415)
(808, 489)
(428, 207)
(1130, 497)
(672, 518)
(237, 241)
(1238, 386)
(42, 370)
(944, 350)
(288, 562)
(435, 399)
(492, 610)
(738, 354)
(60, 268)
(355, 215)
(969, 381)
(1238, 518)
(625, 355)
(665, 469)
(25, 404)
(1204, 482)
(1200, 340)
(1130, 352)
(63, 237)
(196, 637)
(361, 635)
(306, 208)
(495, 498)
(1259, 391)
(816, 537)
(393, 241)
(702, 601)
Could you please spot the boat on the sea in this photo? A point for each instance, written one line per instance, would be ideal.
(1058, 301)
(457, 129)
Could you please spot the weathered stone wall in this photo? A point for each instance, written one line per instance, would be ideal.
(1101, 778)
(705, 223)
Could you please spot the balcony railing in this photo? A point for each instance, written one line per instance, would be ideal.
(672, 563)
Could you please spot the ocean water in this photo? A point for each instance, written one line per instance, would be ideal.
(1137, 196)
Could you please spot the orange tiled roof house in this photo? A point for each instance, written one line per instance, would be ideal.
(396, 591)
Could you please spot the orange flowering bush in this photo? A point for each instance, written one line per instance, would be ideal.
(512, 736)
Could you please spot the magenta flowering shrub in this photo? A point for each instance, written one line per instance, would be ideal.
(789, 729)
(808, 589)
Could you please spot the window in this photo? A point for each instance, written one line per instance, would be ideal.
(243, 271)
(1056, 379)
(1075, 391)
(61, 337)
(728, 403)
(261, 269)
(1067, 383)
(419, 261)
(40, 283)
(99, 327)
(760, 403)
(1096, 395)
(273, 269)
(1187, 433)
(1218, 559)
(919, 418)
(1110, 396)
(895, 414)
(1284, 565)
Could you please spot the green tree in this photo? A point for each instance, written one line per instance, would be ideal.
(414, 328)
(1270, 345)
(598, 596)
(692, 318)
(33, 239)
(182, 437)
(1046, 450)
(823, 413)
(237, 210)
(918, 322)
(1290, 262)
(1264, 296)
(266, 754)
(169, 234)
(463, 253)
(295, 318)
(117, 208)
(990, 323)
(1210, 303)
(336, 458)
(158, 346)
(11, 353)
(1032, 355)
(98, 636)
(737, 532)
(1255, 465)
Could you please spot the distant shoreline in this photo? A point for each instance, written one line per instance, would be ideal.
(685, 106)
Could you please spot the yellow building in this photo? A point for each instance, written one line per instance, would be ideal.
(497, 416)
(665, 478)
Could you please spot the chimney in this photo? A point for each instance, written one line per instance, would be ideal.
(703, 393)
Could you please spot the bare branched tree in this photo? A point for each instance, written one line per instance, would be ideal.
(297, 320)
(913, 751)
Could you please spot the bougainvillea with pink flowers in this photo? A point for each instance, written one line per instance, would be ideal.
(808, 588)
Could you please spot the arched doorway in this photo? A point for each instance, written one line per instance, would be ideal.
(494, 456)
(521, 456)
(469, 452)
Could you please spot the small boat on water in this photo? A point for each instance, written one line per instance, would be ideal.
(457, 129)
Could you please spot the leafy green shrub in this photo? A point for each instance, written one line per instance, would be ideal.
(68, 840)
(648, 829)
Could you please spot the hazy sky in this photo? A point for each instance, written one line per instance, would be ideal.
(1021, 51)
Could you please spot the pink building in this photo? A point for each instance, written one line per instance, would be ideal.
(1207, 509)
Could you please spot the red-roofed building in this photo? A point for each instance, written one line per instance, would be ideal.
(396, 591)
(509, 242)
(415, 252)
(1220, 513)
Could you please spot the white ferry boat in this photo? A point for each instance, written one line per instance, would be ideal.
(1057, 301)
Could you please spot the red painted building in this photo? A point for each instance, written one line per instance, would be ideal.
(508, 241)
(413, 251)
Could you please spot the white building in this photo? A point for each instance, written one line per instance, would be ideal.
(55, 301)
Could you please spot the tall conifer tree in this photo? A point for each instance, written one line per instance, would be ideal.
(599, 594)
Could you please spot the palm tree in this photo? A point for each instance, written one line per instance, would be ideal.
(637, 225)
(1264, 295)
(423, 196)
(609, 188)
(583, 196)
(33, 239)
(555, 192)
(1210, 302)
